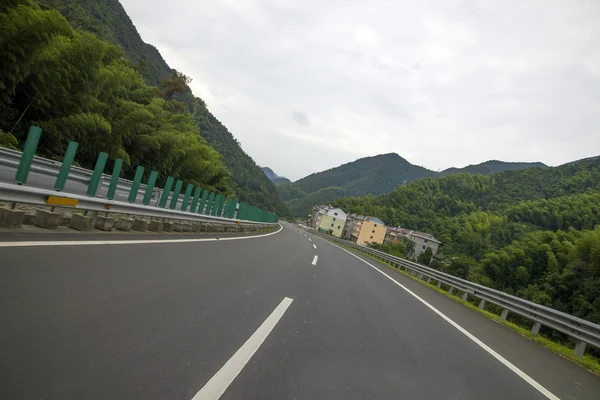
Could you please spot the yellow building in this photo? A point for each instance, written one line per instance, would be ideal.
(330, 220)
(364, 230)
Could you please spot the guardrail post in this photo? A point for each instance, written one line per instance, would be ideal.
(166, 192)
(580, 348)
(536, 328)
(176, 193)
(209, 204)
(428, 280)
(97, 174)
(150, 187)
(504, 314)
(203, 201)
(186, 196)
(33, 137)
(63, 174)
(137, 179)
(451, 290)
(195, 198)
(481, 304)
(465, 296)
(439, 285)
(220, 200)
(114, 179)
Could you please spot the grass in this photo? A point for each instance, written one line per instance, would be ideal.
(588, 362)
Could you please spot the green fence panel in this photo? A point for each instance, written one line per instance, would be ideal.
(135, 186)
(227, 212)
(186, 196)
(33, 137)
(203, 202)
(97, 174)
(176, 193)
(166, 192)
(241, 214)
(114, 179)
(220, 200)
(195, 200)
(210, 203)
(68, 159)
(150, 187)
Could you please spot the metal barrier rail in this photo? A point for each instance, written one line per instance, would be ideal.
(210, 203)
(10, 158)
(585, 332)
(30, 195)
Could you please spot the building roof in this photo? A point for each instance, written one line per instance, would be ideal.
(368, 218)
(376, 220)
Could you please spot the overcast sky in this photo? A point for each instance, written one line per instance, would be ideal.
(306, 85)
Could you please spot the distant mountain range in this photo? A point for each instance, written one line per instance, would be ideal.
(277, 180)
(493, 166)
(371, 176)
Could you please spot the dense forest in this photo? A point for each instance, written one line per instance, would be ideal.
(79, 88)
(372, 176)
(534, 232)
(491, 167)
(108, 21)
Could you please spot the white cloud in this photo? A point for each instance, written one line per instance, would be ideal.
(308, 85)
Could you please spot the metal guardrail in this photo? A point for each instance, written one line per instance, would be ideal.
(585, 332)
(211, 205)
(30, 195)
(10, 158)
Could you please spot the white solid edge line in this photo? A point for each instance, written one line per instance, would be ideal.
(137, 241)
(462, 330)
(314, 262)
(217, 385)
(314, 245)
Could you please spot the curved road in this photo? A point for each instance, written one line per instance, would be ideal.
(284, 316)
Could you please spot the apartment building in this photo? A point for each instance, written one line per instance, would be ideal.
(422, 240)
(364, 229)
(328, 219)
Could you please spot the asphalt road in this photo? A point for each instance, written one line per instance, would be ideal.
(276, 317)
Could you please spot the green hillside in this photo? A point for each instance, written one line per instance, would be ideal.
(77, 87)
(492, 166)
(109, 21)
(534, 232)
(372, 176)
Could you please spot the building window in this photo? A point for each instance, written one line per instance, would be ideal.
(375, 225)
(373, 231)
(334, 218)
(338, 227)
(371, 237)
(334, 213)
(332, 225)
(424, 247)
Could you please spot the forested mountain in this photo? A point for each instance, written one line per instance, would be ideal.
(372, 176)
(108, 20)
(277, 180)
(269, 173)
(492, 166)
(534, 232)
(79, 88)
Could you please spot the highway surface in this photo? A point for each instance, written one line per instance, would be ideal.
(283, 316)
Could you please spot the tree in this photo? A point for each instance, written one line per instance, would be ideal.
(177, 83)
(425, 257)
